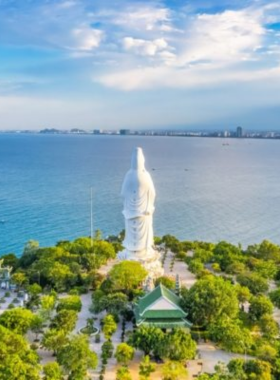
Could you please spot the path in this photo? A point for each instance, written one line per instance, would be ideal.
(187, 278)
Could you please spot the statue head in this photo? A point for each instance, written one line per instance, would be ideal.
(138, 159)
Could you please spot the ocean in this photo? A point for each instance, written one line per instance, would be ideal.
(206, 190)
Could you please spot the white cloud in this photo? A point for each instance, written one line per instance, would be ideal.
(67, 4)
(214, 49)
(145, 47)
(164, 76)
(86, 38)
(226, 37)
(147, 18)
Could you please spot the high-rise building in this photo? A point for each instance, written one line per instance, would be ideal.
(239, 132)
(124, 132)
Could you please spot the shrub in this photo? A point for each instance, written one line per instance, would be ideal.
(70, 303)
(107, 349)
(74, 292)
(34, 346)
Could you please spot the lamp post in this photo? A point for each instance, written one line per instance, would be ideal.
(91, 219)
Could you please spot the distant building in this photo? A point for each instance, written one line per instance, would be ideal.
(239, 132)
(124, 132)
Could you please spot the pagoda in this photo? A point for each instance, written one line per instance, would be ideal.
(160, 308)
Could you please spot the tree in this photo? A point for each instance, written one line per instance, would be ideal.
(109, 326)
(19, 278)
(235, 369)
(253, 281)
(266, 269)
(216, 267)
(92, 252)
(60, 274)
(209, 299)
(243, 293)
(29, 254)
(269, 327)
(123, 374)
(257, 369)
(54, 339)
(70, 303)
(268, 251)
(196, 266)
(52, 371)
(34, 290)
(107, 349)
(235, 268)
(238, 369)
(113, 303)
(168, 282)
(259, 306)
(231, 335)
(47, 304)
(275, 297)
(226, 254)
(18, 320)
(173, 370)
(65, 320)
(76, 357)
(205, 256)
(124, 353)
(267, 353)
(10, 260)
(127, 275)
(146, 368)
(147, 339)
(17, 360)
(178, 345)
(36, 325)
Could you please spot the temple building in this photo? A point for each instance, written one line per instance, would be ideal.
(160, 308)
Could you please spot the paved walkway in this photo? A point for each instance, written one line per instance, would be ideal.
(210, 356)
(8, 300)
(181, 268)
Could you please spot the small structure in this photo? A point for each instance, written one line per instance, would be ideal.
(160, 308)
(5, 276)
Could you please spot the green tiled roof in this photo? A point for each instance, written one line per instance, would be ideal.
(159, 292)
(165, 323)
(164, 318)
(163, 314)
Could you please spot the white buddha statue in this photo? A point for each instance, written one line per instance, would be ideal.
(138, 193)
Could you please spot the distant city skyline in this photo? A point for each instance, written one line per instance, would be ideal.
(140, 64)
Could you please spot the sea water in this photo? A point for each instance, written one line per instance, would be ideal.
(208, 189)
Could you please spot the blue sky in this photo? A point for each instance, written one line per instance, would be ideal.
(139, 64)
